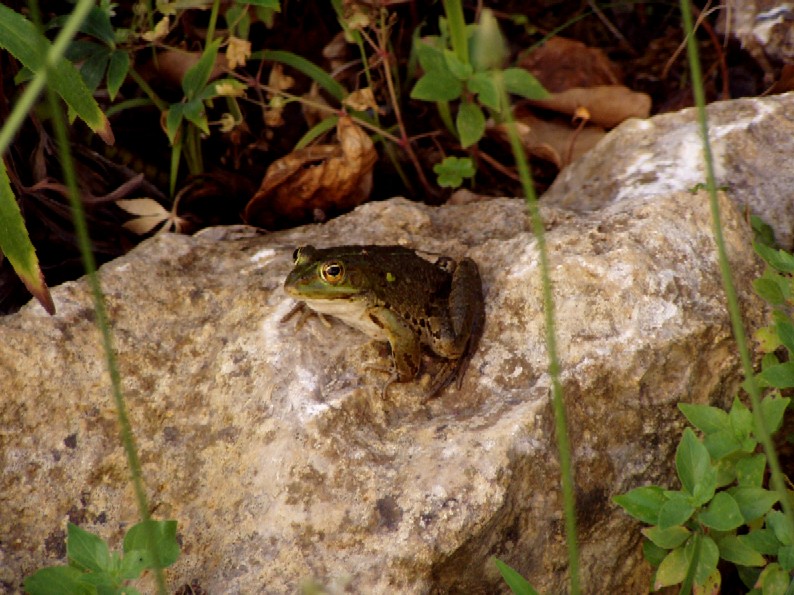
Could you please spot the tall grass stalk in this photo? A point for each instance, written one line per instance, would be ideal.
(750, 384)
(560, 418)
(84, 242)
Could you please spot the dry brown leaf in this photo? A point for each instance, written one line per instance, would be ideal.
(150, 214)
(554, 141)
(173, 64)
(362, 100)
(237, 52)
(313, 182)
(562, 63)
(607, 105)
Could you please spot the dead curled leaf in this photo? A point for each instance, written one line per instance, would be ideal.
(150, 214)
(316, 180)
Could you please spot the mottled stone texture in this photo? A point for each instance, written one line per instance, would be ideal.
(273, 448)
(752, 141)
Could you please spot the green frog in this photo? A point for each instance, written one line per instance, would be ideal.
(393, 294)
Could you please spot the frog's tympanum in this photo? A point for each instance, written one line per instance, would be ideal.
(393, 294)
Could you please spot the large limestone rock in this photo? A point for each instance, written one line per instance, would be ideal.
(273, 447)
(752, 141)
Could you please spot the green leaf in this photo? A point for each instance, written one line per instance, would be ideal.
(483, 84)
(722, 443)
(439, 85)
(315, 73)
(21, 38)
(56, 580)
(769, 290)
(675, 511)
(173, 120)
(270, 4)
(668, 538)
(779, 259)
(785, 556)
(117, 71)
(785, 331)
(772, 410)
(672, 570)
(708, 557)
(517, 583)
(734, 549)
(194, 113)
(431, 57)
(520, 82)
(643, 503)
(726, 470)
(722, 513)
(652, 553)
(754, 502)
(164, 535)
(457, 68)
(762, 541)
(86, 550)
(763, 232)
(134, 563)
(196, 77)
(93, 69)
(774, 580)
(488, 47)
(15, 244)
(97, 24)
(779, 376)
(470, 123)
(750, 471)
(743, 425)
(452, 170)
(777, 521)
(705, 418)
(693, 464)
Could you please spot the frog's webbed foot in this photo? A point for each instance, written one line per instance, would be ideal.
(305, 314)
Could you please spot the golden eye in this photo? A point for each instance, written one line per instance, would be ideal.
(333, 272)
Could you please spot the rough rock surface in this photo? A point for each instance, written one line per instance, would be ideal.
(752, 141)
(275, 451)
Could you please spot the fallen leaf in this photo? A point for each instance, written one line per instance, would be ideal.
(607, 105)
(310, 183)
(552, 140)
(150, 214)
(562, 63)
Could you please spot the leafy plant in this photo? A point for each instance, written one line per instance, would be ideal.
(722, 510)
(454, 72)
(93, 568)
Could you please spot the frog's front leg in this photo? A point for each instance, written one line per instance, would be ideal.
(406, 350)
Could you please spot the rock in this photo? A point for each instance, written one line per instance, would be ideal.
(752, 141)
(273, 448)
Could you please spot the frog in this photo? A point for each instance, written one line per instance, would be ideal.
(393, 294)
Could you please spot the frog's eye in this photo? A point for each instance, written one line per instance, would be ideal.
(296, 255)
(333, 272)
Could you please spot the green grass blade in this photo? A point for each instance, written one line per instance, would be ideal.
(517, 583)
(739, 334)
(19, 37)
(319, 76)
(318, 129)
(15, 244)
